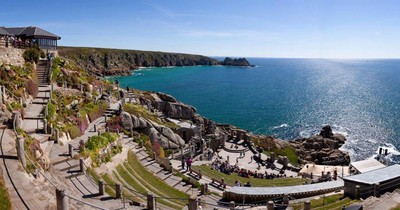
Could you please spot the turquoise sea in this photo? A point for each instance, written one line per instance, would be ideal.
(293, 98)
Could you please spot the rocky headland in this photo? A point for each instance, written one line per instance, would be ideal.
(112, 62)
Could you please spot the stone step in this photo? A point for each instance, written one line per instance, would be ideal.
(173, 180)
(155, 168)
(164, 174)
(60, 160)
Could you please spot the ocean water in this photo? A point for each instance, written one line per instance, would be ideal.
(293, 98)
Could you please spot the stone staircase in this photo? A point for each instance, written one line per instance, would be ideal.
(166, 176)
(43, 71)
(34, 113)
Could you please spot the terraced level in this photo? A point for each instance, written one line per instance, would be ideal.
(137, 181)
(333, 202)
(255, 182)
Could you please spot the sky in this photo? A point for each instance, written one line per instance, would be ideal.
(249, 28)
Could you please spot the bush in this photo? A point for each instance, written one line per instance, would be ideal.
(157, 148)
(73, 131)
(31, 54)
(51, 111)
(32, 88)
(115, 124)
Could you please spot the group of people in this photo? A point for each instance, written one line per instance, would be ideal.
(224, 167)
(188, 162)
(239, 184)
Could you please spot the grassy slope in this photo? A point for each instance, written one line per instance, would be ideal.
(4, 197)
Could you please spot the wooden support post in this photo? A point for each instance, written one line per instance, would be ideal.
(285, 199)
(357, 192)
(192, 203)
(118, 191)
(16, 122)
(45, 126)
(307, 205)
(101, 187)
(94, 128)
(270, 205)
(377, 190)
(62, 200)
(20, 150)
(82, 166)
(70, 150)
(151, 202)
(232, 205)
(57, 135)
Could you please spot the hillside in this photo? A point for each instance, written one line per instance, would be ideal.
(102, 61)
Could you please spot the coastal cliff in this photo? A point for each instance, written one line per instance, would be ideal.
(101, 61)
(112, 62)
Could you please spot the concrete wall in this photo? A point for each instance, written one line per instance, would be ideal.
(12, 56)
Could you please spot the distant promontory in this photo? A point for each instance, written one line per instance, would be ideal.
(108, 62)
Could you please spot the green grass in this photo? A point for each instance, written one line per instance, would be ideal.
(255, 182)
(109, 190)
(289, 152)
(127, 193)
(397, 207)
(331, 202)
(4, 197)
(149, 179)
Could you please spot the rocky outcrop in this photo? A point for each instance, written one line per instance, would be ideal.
(162, 134)
(11, 56)
(102, 61)
(235, 62)
(322, 149)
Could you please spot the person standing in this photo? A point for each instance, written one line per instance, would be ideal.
(189, 164)
(183, 162)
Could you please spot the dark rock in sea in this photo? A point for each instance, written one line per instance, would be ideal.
(236, 62)
(322, 148)
(326, 132)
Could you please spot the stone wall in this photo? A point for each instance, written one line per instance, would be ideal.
(12, 56)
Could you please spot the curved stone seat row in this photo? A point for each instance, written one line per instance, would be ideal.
(235, 150)
(256, 194)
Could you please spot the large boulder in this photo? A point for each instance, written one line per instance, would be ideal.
(180, 111)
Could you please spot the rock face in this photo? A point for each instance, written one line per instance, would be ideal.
(235, 62)
(322, 149)
(121, 62)
(164, 135)
(11, 56)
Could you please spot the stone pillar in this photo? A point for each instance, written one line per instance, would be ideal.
(307, 205)
(377, 190)
(46, 111)
(285, 199)
(57, 135)
(357, 192)
(272, 156)
(270, 205)
(45, 126)
(82, 166)
(70, 150)
(192, 203)
(20, 150)
(90, 89)
(118, 191)
(101, 187)
(16, 119)
(151, 202)
(62, 200)
(232, 205)
(155, 156)
(81, 88)
(65, 84)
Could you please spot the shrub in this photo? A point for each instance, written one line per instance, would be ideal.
(115, 124)
(73, 131)
(157, 148)
(32, 88)
(51, 110)
(31, 54)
